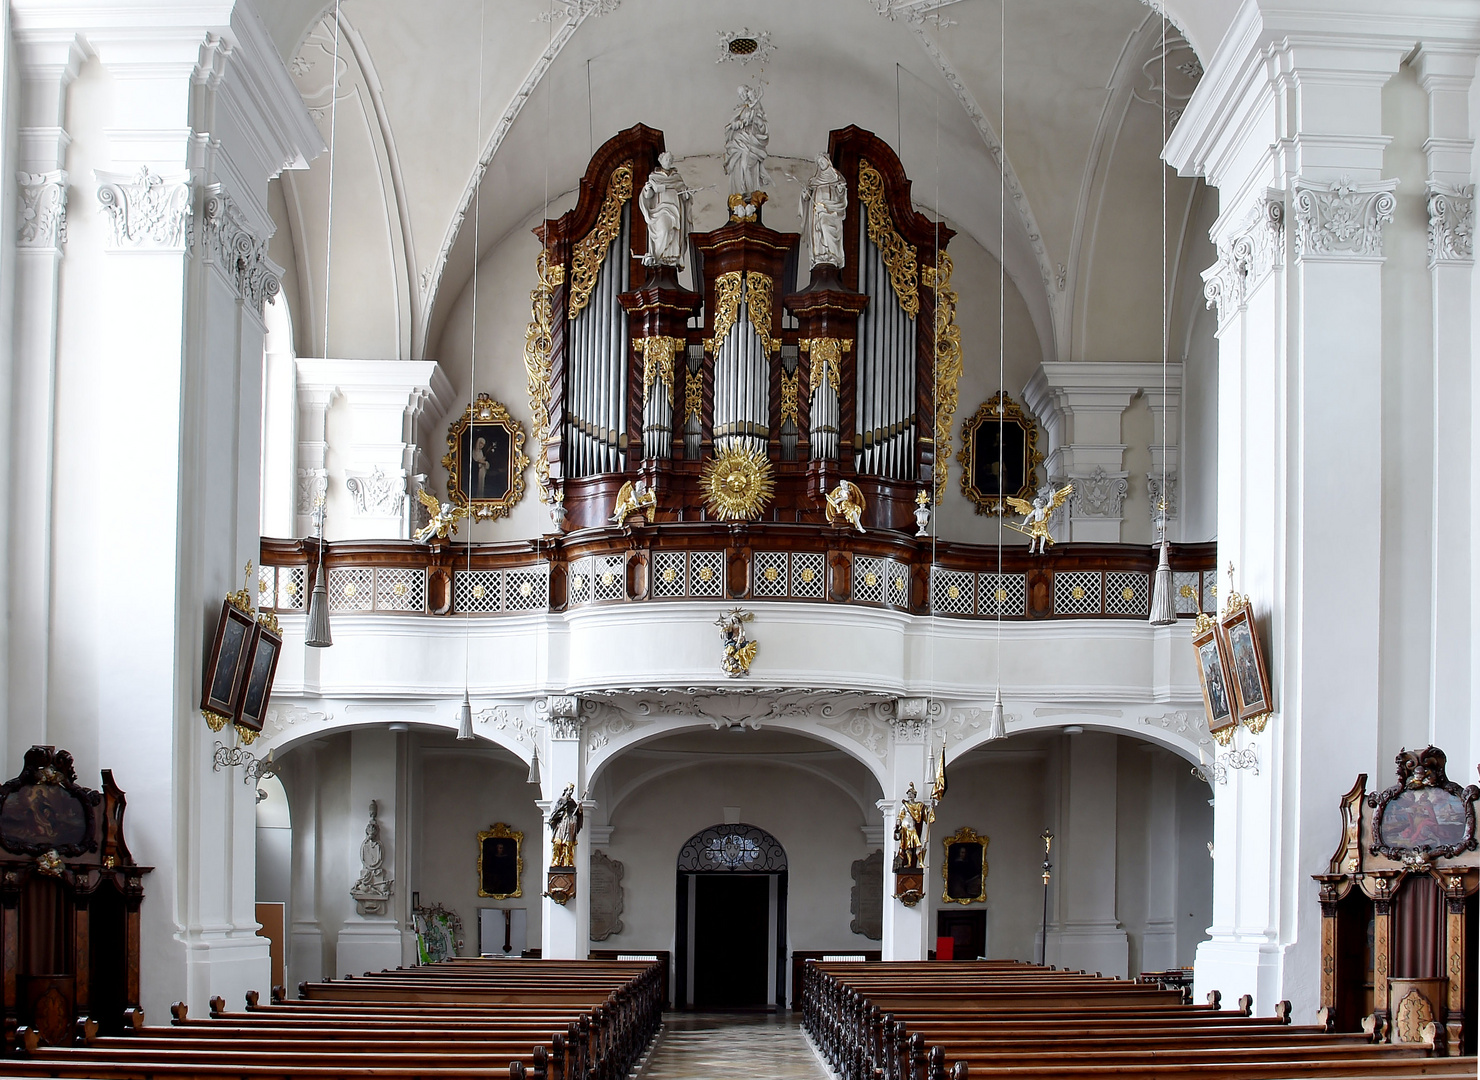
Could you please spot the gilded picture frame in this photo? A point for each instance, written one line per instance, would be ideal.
(500, 862)
(261, 670)
(485, 460)
(1215, 679)
(226, 668)
(964, 870)
(1249, 675)
(990, 440)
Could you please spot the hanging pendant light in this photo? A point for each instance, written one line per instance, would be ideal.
(1163, 602)
(534, 767)
(465, 719)
(317, 631)
(997, 725)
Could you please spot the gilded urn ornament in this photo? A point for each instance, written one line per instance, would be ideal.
(738, 483)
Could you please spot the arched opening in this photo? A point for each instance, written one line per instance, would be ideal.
(731, 919)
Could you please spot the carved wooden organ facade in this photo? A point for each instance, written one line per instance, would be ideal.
(844, 375)
(1398, 908)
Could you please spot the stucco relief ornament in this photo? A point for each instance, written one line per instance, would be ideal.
(1451, 223)
(243, 255)
(1342, 218)
(376, 493)
(147, 211)
(372, 889)
(739, 650)
(1100, 495)
(42, 215)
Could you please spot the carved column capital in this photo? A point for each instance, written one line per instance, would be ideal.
(242, 255)
(1342, 218)
(147, 212)
(567, 715)
(1451, 224)
(42, 214)
(1246, 254)
(1100, 494)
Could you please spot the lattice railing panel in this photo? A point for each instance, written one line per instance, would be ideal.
(1077, 592)
(1007, 591)
(808, 575)
(1127, 593)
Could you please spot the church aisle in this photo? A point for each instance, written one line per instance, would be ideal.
(715, 1046)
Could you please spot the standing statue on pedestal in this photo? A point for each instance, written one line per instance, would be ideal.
(745, 154)
(912, 832)
(824, 202)
(566, 817)
(372, 889)
(664, 202)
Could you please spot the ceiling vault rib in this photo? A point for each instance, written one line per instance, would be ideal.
(433, 275)
(1017, 196)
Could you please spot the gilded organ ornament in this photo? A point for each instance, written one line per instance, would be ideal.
(947, 365)
(900, 258)
(539, 345)
(657, 363)
(846, 503)
(757, 290)
(738, 483)
(827, 361)
(634, 497)
(590, 252)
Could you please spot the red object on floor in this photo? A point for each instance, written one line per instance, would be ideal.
(945, 948)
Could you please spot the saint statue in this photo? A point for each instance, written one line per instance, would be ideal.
(824, 202)
(912, 832)
(566, 817)
(664, 202)
(745, 144)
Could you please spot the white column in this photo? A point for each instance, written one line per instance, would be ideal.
(305, 936)
(909, 932)
(1159, 939)
(312, 471)
(1087, 936)
(565, 929)
(47, 62)
(1297, 114)
(371, 942)
(1447, 74)
(158, 349)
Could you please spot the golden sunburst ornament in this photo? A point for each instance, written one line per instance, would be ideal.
(738, 483)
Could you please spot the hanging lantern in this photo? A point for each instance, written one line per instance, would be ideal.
(1163, 599)
(319, 636)
(997, 725)
(534, 767)
(465, 720)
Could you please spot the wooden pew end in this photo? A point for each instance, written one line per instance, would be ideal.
(252, 998)
(178, 1010)
(1246, 1004)
(87, 1030)
(541, 1063)
(516, 1070)
(1434, 1038)
(27, 1039)
(959, 1071)
(1282, 1011)
(303, 990)
(279, 994)
(133, 1019)
(218, 1005)
(1215, 999)
(1375, 1028)
(1326, 1018)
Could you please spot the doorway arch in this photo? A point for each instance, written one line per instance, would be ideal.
(731, 889)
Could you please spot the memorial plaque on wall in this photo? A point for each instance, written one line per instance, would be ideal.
(606, 896)
(867, 903)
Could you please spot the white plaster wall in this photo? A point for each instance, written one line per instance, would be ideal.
(463, 791)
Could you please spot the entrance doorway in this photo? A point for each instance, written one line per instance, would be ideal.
(967, 931)
(731, 920)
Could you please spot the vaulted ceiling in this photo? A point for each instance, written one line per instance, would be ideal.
(1083, 128)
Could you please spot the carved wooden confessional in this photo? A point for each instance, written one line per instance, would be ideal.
(69, 904)
(1398, 907)
(841, 376)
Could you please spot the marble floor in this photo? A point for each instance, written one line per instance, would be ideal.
(718, 1046)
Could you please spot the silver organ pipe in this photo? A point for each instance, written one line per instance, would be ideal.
(596, 367)
(742, 391)
(885, 366)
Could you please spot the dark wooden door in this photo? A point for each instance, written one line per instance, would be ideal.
(966, 929)
(732, 915)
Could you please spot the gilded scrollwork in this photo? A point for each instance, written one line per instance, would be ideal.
(947, 365)
(900, 258)
(657, 363)
(539, 343)
(693, 395)
(728, 289)
(590, 251)
(827, 361)
(759, 292)
(790, 393)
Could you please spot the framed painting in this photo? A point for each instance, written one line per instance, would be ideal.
(261, 669)
(500, 862)
(965, 867)
(999, 455)
(1212, 673)
(1425, 815)
(485, 460)
(1246, 663)
(226, 665)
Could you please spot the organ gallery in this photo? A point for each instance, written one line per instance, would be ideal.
(858, 538)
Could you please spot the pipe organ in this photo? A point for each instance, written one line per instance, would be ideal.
(849, 373)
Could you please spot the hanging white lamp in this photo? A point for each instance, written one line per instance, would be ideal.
(997, 725)
(317, 631)
(534, 767)
(1163, 598)
(465, 719)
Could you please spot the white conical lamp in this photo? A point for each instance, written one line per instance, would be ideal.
(319, 636)
(534, 767)
(997, 725)
(1163, 601)
(465, 719)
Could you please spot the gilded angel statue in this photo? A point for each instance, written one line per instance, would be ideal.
(1036, 515)
(442, 521)
(845, 502)
(632, 497)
